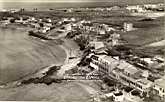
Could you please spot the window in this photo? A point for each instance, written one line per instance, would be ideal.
(95, 57)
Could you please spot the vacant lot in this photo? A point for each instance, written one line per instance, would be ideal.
(147, 32)
(64, 92)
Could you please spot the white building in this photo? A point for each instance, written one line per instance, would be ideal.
(65, 20)
(122, 71)
(68, 27)
(20, 20)
(128, 26)
(159, 86)
(105, 63)
(138, 8)
(118, 96)
(49, 20)
(97, 45)
(73, 19)
(131, 76)
(101, 32)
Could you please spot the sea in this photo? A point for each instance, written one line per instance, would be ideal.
(56, 5)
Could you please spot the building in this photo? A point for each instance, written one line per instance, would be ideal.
(32, 19)
(13, 10)
(131, 76)
(159, 87)
(118, 96)
(136, 8)
(122, 71)
(101, 32)
(49, 20)
(105, 64)
(20, 20)
(68, 27)
(73, 19)
(97, 44)
(128, 26)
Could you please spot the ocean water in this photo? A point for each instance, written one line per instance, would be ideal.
(46, 6)
(21, 55)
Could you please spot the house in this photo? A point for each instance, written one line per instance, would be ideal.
(104, 63)
(97, 44)
(46, 28)
(13, 10)
(35, 25)
(65, 20)
(32, 19)
(131, 76)
(128, 26)
(136, 7)
(101, 32)
(118, 96)
(159, 59)
(159, 87)
(110, 29)
(20, 20)
(5, 22)
(48, 24)
(68, 27)
(73, 19)
(49, 20)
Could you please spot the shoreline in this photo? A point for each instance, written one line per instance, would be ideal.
(38, 72)
(14, 82)
(16, 27)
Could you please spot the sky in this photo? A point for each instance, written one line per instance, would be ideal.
(81, 0)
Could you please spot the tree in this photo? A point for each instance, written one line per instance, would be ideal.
(12, 20)
(41, 24)
(152, 97)
(82, 42)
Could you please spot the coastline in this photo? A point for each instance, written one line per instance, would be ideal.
(38, 72)
(51, 48)
(16, 27)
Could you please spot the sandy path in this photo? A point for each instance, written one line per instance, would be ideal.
(156, 44)
(68, 64)
(89, 89)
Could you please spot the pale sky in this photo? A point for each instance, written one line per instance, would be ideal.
(51, 0)
(81, 0)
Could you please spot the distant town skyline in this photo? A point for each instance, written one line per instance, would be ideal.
(141, 1)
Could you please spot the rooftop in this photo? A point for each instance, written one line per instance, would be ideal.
(160, 82)
(127, 67)
(144, 81)
(97, 45)
(112, 61)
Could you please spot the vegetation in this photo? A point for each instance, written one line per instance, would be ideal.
(153, 97)
(82, 41)
(45, 79)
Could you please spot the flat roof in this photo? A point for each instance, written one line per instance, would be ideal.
(161, 83)
(127, 67)
(144, 81)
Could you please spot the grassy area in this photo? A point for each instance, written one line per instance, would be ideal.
(148, 33)
(144, 36)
